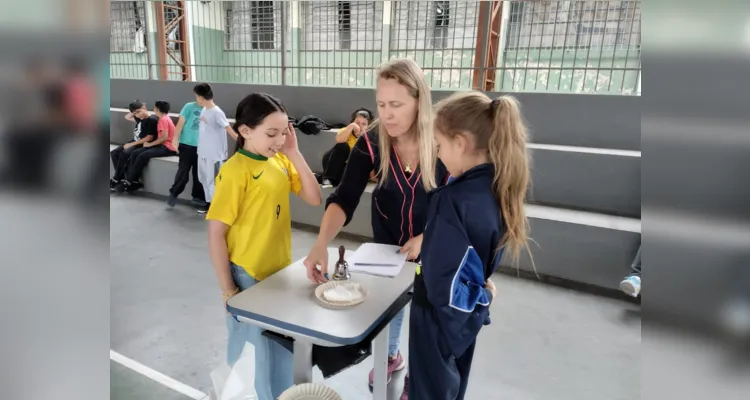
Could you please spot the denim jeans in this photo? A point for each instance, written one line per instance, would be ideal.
(636, 266)
(273, 363)
(394, 333)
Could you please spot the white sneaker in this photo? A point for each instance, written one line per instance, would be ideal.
(631, 285)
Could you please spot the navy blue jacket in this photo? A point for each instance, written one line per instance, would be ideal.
(459, 252)
(399, 205)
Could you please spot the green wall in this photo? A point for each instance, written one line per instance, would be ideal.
(522, 70)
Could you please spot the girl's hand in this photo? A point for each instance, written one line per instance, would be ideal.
(228, 295)
(355, 129)
(290, 144)
(491, 287)
(413, 247)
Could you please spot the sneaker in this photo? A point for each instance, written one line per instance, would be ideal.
(326, 183)
(171, 200)
(198, 202)
(204, 208)
(394, 364)
(631, 285)
(134, 186)
(405, 392)
(112, 184)
(120, 186)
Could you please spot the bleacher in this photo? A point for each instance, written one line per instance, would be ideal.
(585, 197)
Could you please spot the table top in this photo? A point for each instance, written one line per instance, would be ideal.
(286, 300)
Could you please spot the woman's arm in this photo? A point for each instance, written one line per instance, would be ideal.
(343, 135)
(217, 246)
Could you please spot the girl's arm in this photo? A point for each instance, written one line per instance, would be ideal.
(310, 192)
(343, 135)
(217, 246)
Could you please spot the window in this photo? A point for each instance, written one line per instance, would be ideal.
(442, 20)
(252, 25)
(126, 28)
(427, 25)
(342, 25)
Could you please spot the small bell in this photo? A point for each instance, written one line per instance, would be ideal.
(341, 271)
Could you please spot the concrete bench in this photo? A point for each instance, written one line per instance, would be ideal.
(599, 180)
(584, 247)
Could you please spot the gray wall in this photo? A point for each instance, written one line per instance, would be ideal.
(602, 121)
(605, 183)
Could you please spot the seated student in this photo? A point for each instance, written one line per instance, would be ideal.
(334, 160)
(144, 132)
(186, 141)
(161, 147)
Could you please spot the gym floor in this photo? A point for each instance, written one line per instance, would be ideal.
(544, 342)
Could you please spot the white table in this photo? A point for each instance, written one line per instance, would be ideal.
(285, 303)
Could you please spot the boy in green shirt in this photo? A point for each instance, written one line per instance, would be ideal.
(186, 143)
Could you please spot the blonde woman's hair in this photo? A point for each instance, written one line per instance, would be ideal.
(407, 73)
(497, 126)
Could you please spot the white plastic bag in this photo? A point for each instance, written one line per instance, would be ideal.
(238, 382)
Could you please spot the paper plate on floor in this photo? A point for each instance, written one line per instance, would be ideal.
(310, 391)
(341, 294)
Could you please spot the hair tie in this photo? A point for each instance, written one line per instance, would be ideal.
(493, 105)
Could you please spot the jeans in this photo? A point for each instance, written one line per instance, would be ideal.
(140, 158)
(120, 157)
(274, 368)
(636, 266)
(334, 162)
(394, 333)
(188, 161)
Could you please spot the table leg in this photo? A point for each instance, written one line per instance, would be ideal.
(302, 361)
(380, 356)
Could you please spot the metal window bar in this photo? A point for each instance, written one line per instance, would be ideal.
(572, 46)
(127, 40)
(440, 36)
(340, 42)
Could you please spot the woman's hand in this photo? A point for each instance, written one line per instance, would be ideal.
(491, 287)
(318, 256)
(413, 247)
(290, 144)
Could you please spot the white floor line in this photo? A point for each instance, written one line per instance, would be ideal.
(157, 376)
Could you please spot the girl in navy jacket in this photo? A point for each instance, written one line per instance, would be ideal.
(470, 222)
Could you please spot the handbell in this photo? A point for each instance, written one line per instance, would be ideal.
(341, 271)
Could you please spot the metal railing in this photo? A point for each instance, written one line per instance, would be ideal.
(548, 46)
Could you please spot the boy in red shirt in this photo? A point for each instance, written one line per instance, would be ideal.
(161, 147)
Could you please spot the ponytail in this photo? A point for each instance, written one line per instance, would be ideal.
(240, 139)
(507, 149)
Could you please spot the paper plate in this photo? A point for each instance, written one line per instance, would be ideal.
(310, 391)
(332, 284)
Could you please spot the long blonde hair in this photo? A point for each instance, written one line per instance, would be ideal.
(407, 73)
(497, 126)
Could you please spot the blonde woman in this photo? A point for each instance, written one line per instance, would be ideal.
(401, 148)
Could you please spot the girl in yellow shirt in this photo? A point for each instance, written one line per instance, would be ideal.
(249, 229)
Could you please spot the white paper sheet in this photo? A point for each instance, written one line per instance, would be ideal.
(377, 259)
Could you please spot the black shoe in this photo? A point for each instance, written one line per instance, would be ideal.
(112, 184)
(133, 186)
(198, 202)
(319, 178)
(121, 186)
(204, 208)
(171, 200)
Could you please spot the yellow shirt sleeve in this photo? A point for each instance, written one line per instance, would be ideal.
(295, 184)
(230, 188)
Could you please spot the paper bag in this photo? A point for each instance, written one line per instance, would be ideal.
(238, 382)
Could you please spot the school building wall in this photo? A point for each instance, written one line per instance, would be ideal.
(585, 213)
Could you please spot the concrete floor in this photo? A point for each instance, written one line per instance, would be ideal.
(545, 342)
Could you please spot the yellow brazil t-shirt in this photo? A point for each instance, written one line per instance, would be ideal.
(252, 197)
(351, 140)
